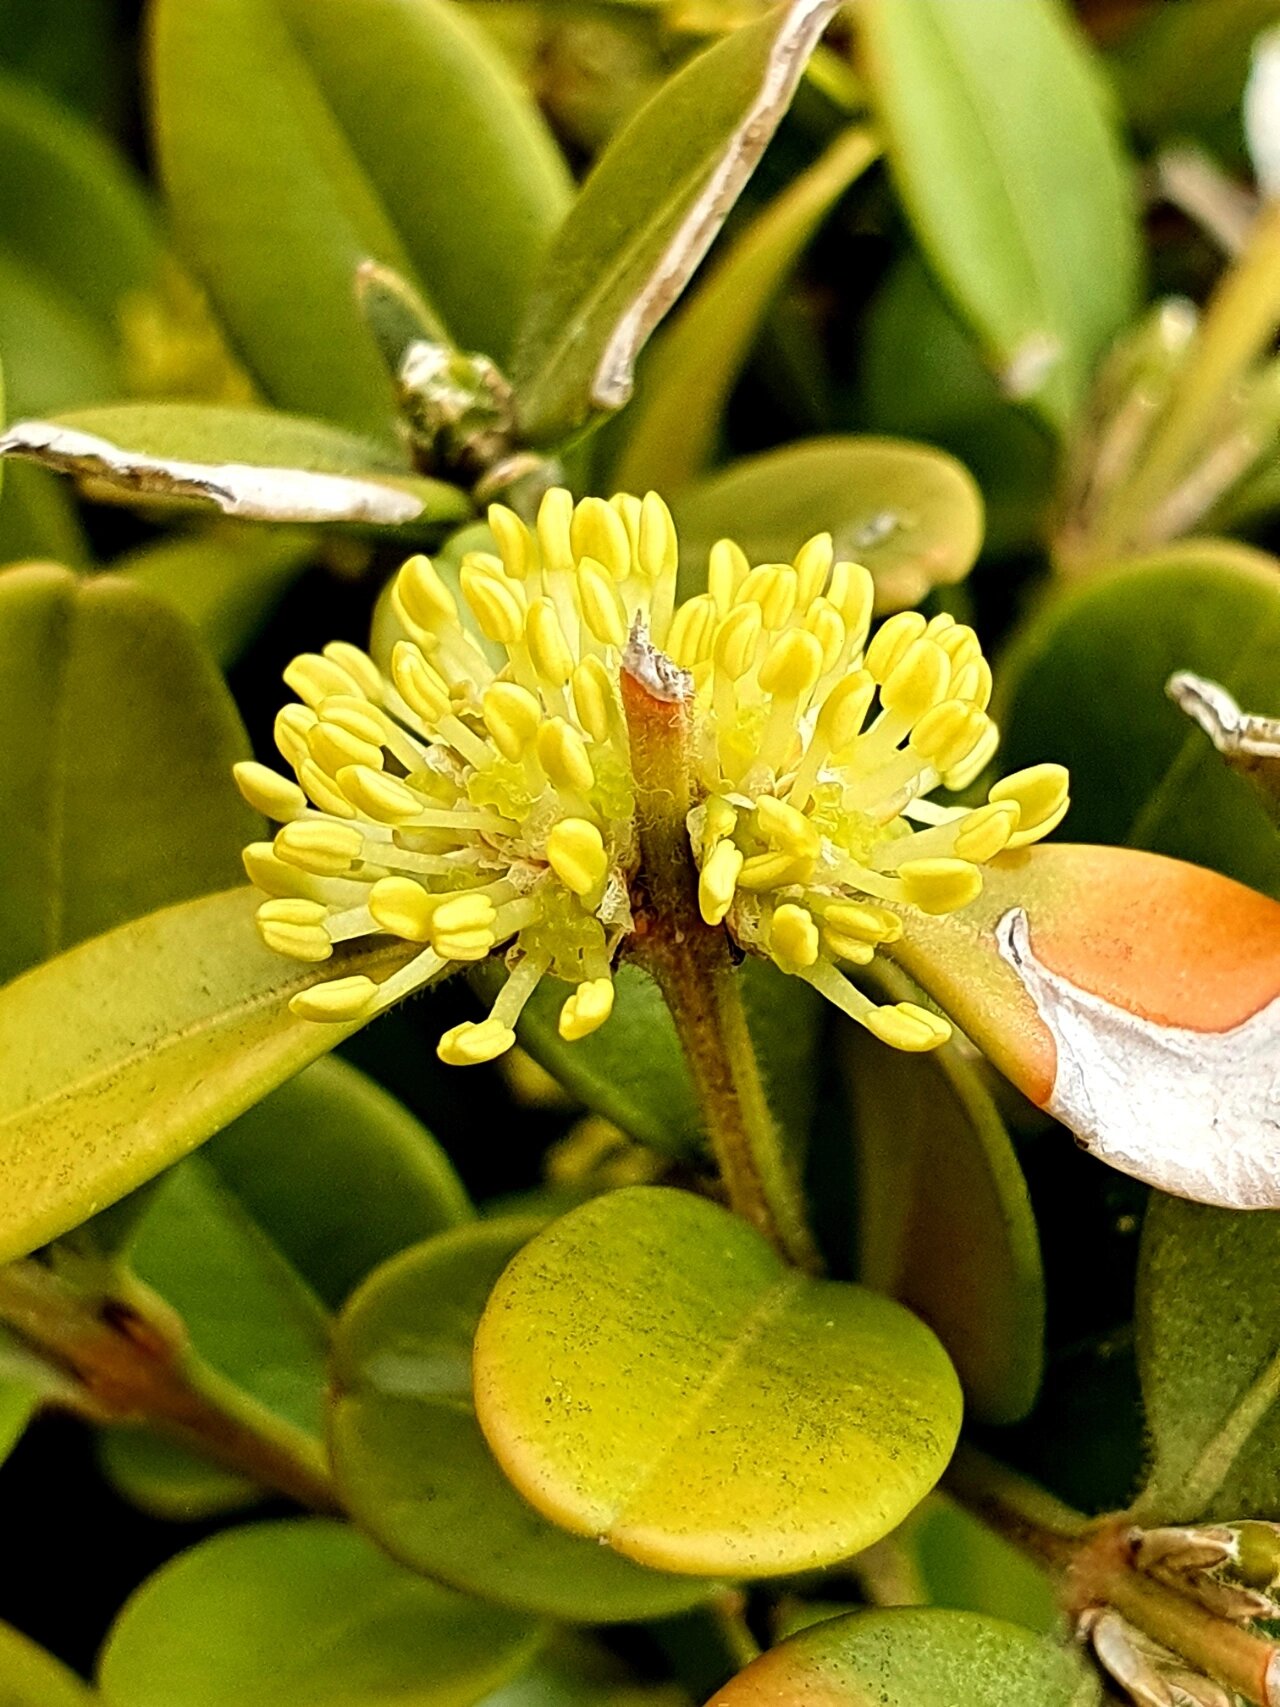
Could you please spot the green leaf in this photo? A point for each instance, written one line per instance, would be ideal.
(339, 1174)
(1004, 150)
(413, 1468)
(1085, 684)
(647, 215)
(649, 1372)
(117, 789)
(38, 519)
(402, 140)
(55, 353)
(916, 1658)
(123, 1054)
(253, 463)
(30, 1677)
(945, 1221)
(305, 1614)
(1208, 1323)
(964, 1565)
(168, 1482)
(913, 515)
(685, 385)
(64, 47)
(19, 1401)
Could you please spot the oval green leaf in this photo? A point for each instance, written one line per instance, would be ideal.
(119, 1056)
(916, 1658)
(411, 1463)
(402, 140)
(913, 515)
(1208, 1324)
(305, 1614)
(1005, 152)
(31, 1677)
(685, 384)
(122, 737)
(650, 1373)
(647, 215)
(168, 1482)
(1085, 684)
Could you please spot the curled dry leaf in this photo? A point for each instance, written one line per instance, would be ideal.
(1250, 744)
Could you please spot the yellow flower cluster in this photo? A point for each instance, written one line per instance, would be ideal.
(476, 793)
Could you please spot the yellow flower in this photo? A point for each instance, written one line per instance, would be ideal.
(475, 794)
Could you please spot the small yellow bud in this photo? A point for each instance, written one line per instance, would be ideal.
(908, 1027)
(657, 551)
(891, 641)
(1041, 794)
(338, 1001)
(727, 569)
(358, 665)
(576, 853)
(786, 829)
(737, 640)
(547, 645)
(469, 1044)
(296, 928)
(917, 681)
(383, 798)
(424, 596)
(313, 677)
(497, 601)
(268, 792)
(515, 543)
(813, 564)
(602, 607)
(598, 531)
(593, 697)
(792, 665)
(718, 882)
(332, 746)
(312, 844)
(555, 513)
(586, 1009)
(462, 927)
(986, 832)
(772, 586)
(402, 907)
(793, 936)
(512, 716)
(845, 708)
(421, 686)
(563, 755)
(940, 885)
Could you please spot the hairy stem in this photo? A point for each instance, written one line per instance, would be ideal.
(125, 1358)
(693, 967)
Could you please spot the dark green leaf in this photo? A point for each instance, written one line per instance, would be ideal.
(964, 1565)
(168, 1482)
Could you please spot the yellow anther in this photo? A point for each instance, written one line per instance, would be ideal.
(338, 1001)
(908, 1027)
(555, 516)
(772, 586)
(312, 844)
(787, 830)
(358, 717)
(332, 747)
(563, 755)
(326, 793)
(599, 532)
(813, 564)
(421, 686)
(940, 625)
(845, 708)
(852, 590)
(358, 665)
(628, 507)
(987, 831)
(472, 1042)
(721, 820)
(593, 697)
(295, 928)
(719, 881)
(383, 798)
(292, 725)
(576, 853)
(497, 601)
(793, 936)
(958, 641)
(586, 1009)
(423, 595)
(462, 927)
(851, 949)
(313, 677)
(727, 569)
(658, 551)
(402, 907)
(917, 682)
(693, 631)
(547, 645)
(940, 885)
(515, 542)
(945, 733)
(972, 682)
(737, 640)
(792, 665)
(892, 641)
(857, 919)
(268, 792)
(602, 608)
(267, 872)
(825, 623)
(979, 756)
(773, 871)
(1041, 794)
(512, 716)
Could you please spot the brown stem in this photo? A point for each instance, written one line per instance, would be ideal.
(692, 965)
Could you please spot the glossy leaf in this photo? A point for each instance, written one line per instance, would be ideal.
(647, 215)
(395, 135)
(252, 463)
(338, 1174)
(168, 1482)
(713, 1410)
(413, 1467)
(123, 1054)
(1209, 1359)
(916, 1658)
(1005, 153)
(31, 1677)
(945, 1221)
(305, 1614)
(1085, 685)
(913, 515)
(122, 735)
(686, 383)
